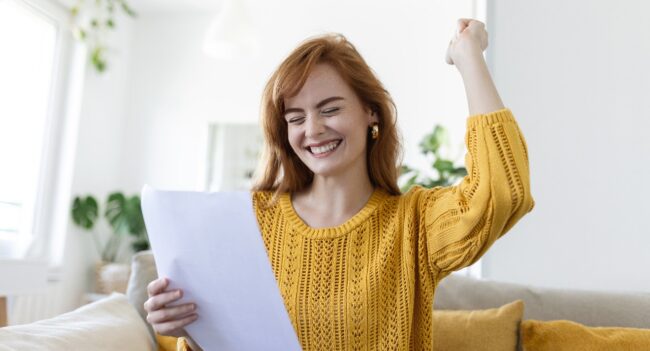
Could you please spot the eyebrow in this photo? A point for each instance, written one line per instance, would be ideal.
(318, 105)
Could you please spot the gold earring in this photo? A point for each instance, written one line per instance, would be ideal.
(375, 131)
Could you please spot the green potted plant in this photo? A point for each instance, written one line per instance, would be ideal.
(124, 215)
(446, 172)
(91, 23)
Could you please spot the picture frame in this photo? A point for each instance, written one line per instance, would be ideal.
(234, 150)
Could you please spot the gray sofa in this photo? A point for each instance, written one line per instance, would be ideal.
(118, 322)
(462, 293)
(596, 309)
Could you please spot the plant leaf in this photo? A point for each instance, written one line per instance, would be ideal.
(459, 172)
(443, 165)
(115, 212)
(441, 135)
(84, 211)
(79, 33)
(438, 182)
(97, 59)
(125, 214)
(140, 244)
(136, 219)
(127, 9)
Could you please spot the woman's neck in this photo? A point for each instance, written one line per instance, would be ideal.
(330, 201)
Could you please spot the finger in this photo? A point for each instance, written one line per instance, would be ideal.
(157, 286)
(476, 24)
(174, 326)
(170, 313)
(461, 25)
(160, 300)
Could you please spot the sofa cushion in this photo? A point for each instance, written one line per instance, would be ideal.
(143, 271)
(107, 324)
(570, 336)
(489, 330)
(597, 309)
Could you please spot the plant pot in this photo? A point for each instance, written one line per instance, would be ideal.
(111, 277)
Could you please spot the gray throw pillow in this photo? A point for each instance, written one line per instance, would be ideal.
(143, 271)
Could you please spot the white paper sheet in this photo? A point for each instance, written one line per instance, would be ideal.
(209, 245)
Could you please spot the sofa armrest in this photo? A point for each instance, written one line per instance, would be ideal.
(107, 324)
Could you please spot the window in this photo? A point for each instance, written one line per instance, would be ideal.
(30, 40)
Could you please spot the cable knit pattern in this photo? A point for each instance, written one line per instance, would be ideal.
(369, 283)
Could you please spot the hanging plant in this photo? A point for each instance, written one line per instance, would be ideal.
(91, 22)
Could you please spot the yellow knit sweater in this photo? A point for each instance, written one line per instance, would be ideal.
(369, 283)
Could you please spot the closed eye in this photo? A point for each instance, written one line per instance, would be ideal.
(331, 110)
(296, 120)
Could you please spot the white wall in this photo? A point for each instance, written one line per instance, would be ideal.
(145, 120)
(577, 76)
(97, 165)
(576, 84)
(175, 90)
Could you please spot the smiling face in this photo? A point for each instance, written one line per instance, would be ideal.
(327, 124)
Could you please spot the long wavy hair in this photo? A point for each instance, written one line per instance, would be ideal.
(280, 170)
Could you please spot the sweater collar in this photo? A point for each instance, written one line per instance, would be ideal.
(378, 195)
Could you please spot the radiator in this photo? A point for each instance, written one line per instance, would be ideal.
(25, 309)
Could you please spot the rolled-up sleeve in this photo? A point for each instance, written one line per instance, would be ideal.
(461, 222)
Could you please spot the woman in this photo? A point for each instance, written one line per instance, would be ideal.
(356, 261)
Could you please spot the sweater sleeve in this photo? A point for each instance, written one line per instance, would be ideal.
(171, 343)
(461, 222)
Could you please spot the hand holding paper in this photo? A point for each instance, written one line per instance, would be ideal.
(209, 245)
(166, 319)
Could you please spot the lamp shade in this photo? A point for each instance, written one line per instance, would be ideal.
(231, 34)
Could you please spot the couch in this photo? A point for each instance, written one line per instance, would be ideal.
(125, 327)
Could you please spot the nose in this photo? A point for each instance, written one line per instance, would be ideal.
(314, 126)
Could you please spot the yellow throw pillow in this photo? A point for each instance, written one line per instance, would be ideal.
(566, 335)
(491, 330)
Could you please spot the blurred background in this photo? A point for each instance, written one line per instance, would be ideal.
(98, 98)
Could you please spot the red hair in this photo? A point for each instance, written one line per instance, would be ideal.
(280, 169)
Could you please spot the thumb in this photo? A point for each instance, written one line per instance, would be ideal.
(448, 56)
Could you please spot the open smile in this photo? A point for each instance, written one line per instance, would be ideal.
(324, 150)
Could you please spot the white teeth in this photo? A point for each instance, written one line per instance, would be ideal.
(324, 148)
